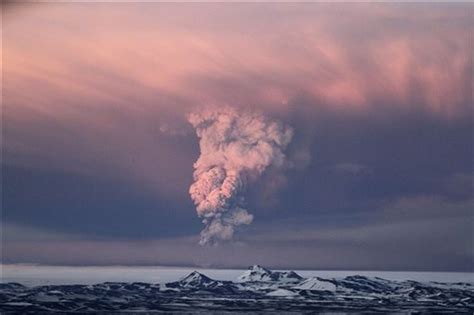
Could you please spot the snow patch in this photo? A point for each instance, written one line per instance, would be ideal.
(317, 284)
(282, 292)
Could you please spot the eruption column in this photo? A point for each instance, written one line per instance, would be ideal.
(236, 148)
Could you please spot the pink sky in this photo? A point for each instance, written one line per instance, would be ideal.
(84, 68)
(101, 91)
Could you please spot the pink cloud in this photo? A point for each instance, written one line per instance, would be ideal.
(110, 83)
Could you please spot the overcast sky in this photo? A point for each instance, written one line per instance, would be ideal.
(98, 154)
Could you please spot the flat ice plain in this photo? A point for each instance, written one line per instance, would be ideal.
(33, 275)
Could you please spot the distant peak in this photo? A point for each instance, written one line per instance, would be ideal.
(258, 268)
(259, 273)
(195, 275)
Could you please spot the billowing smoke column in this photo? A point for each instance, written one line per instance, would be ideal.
(236, 147)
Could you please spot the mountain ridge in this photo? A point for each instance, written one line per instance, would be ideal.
(258, 288)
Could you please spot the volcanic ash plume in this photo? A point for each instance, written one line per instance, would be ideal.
(236, 147)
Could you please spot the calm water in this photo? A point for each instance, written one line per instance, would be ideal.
(39, 275)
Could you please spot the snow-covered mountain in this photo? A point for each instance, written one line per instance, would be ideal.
(196, 281)
(258, 289)
(257, 273)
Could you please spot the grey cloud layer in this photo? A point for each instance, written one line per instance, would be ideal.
(379, 97)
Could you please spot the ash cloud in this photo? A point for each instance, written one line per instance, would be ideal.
(235, 149)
